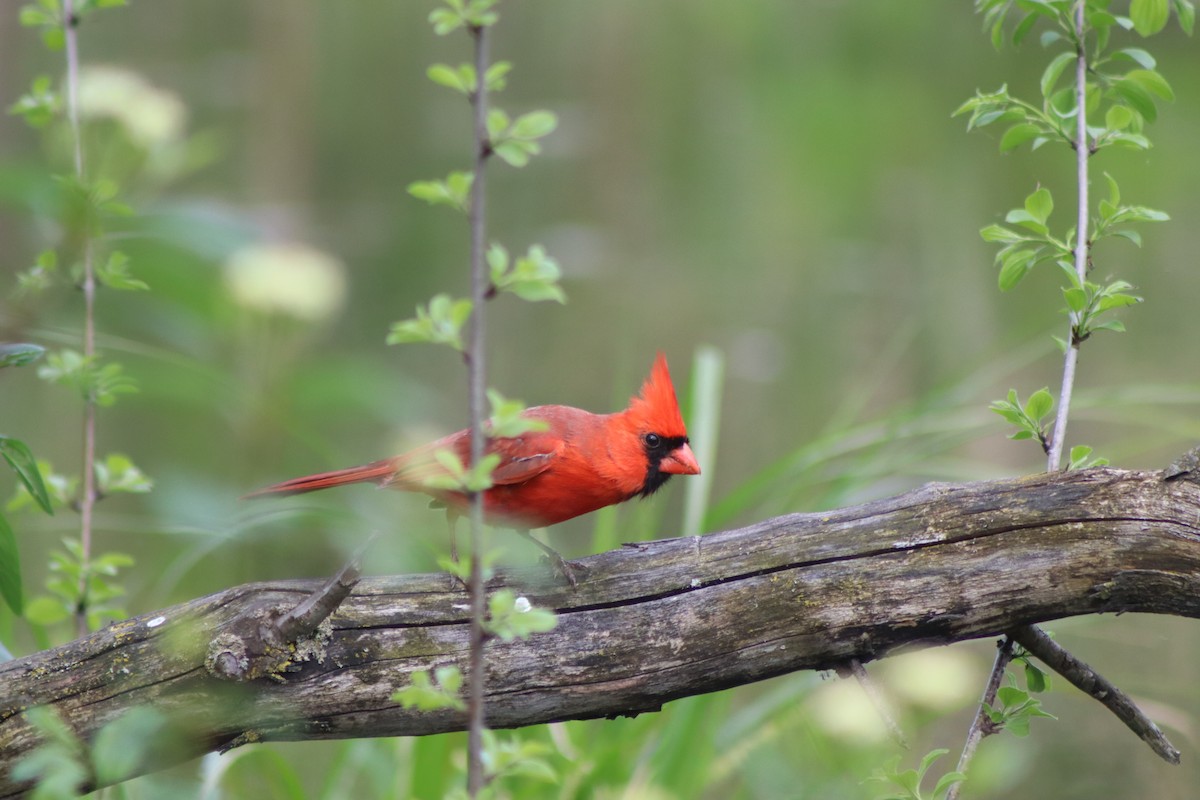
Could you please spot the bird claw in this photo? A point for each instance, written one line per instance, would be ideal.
(566, 569)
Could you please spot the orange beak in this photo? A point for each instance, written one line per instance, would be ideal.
(680, 461)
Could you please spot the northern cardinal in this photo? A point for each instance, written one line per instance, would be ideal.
(579, 463)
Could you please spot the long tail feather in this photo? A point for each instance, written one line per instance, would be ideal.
(380, 472)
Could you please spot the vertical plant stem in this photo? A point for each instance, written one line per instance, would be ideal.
(477, 381)
(1082, 152)
(87, 501)
(980, 726)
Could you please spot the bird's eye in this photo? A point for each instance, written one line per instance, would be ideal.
(652, 440)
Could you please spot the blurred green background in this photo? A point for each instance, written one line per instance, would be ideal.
(781, 181)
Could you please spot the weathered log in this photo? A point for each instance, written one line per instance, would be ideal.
(650, 622)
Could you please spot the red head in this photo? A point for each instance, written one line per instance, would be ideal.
(654, 415)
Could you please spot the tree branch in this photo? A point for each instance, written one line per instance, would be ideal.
(651, 622)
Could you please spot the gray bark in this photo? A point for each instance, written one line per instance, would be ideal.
(649, 623)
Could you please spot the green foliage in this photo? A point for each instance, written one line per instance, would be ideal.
(1016, 711)
(27, 469)
(532, 277)
(10, 568)
(40, 105)
(455, 191)
(122, 745)
(100, 383)
(458, 478)
(1030, 418)
(40, 276)
(512, 617)
(516, 141)
(61, 764)
(463, 14)
(1023, 250)
(1087, 301)
(78, 584)
(515, 756)
(443, 691)
(906, 785)
(463, 79)
(88, 203)
(114, 274)
(440, 322)
(461, 567)
(1112, 215)
(1037, 680)
(19, 354)
(507, 419)
(118, 474)
(19, 457)
(1080, 458)
(58, 764)
(47, 15)
(59, 490)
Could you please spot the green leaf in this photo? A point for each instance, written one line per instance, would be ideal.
(1035, 679)
(454, 191)
(497, 259)
(1018, 135)
(441, 322)
(945, 782)
(507, 420)
(10, 568)
(21, 459)
(1039, 404)
(1137, 54)
(117, 473)
(19, 354)
(496, 76)
(533, 125)
(1137, 97)
(1054, 70)
(46, 611)
(1019, 216)
(1186, 12)
(1016, 265)
(1149, 16)
(1118, 118)
(1076, 298)
(516, 152)
(424, 694)
(460, 80)
(533, 277)
(115, 274)
(497, 124)
(998, 233)
(1152, 82)
(1040, 204)
(121, 746)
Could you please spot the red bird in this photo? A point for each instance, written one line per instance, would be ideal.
(579, 463)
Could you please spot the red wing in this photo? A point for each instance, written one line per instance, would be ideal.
(521, 458)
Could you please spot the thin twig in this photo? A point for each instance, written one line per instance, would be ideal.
(477, 381)
(314, 609)
(1082, 151)
(1091, 683)
(871, 689)
(87, 501)
(982, 725)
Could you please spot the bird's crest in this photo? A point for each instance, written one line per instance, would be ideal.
(655, 405)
